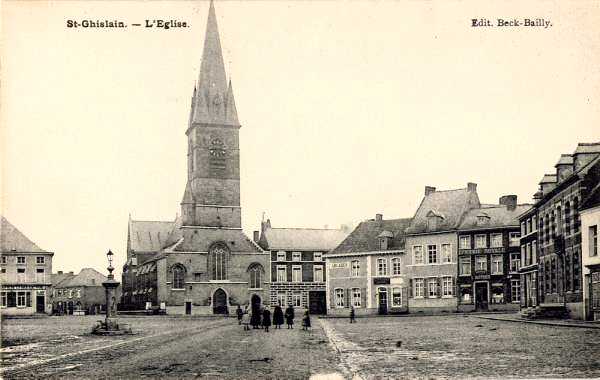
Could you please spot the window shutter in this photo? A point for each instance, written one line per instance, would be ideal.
(28, 298)
(439, 287)
(410, 287)
(454, 287)
(348, 299)
(363, 297)
(332, 299)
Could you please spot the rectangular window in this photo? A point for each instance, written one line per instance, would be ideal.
(496, 240)
(534, 252)
(432, 285)
(282, 298)
(481, 264)
(355, 268)
(281, 256)
(40, 260)
(20, 259)
(447, 286)
(513, 238)
(523, 228)
(21, 299)
(296, 273)
(480, 241)
(465, 242)
(296, 299)
(318, 256)
(593, 238)
(339, 298)
(417, 254)
(39, 270)
(4, 299)
(296, 256)
(419, 287)
(432, 254)
(396, 266)
(515, 262)
(21, 270)
(281, 273)
(356, 297)
(465, 266)
(515, 289)
(446, 253)
(397, 297)
(382, 267)
(3, 259)
(318, 273)
(497, 264)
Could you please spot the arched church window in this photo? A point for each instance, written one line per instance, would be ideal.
(217, 261)
(178, 277)
(256, 272)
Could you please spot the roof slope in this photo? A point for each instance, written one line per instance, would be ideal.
(13, 240)
(497, 216)
(86, 277)
(58, 278)
(301, 238)
(365, 237)
(148, 236)
(450, 205)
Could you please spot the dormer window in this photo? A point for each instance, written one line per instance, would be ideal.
(483, 219)
(385, 240)
(434, 219)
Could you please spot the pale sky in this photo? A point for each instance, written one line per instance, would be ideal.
(348, 109)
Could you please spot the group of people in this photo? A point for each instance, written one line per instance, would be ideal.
(260, 318)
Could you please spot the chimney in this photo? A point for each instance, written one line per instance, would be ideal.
(429, 190)
(60, 272)
(379, 217)
(71, 272)
(256, 236)
(510, 201)
(471, 187)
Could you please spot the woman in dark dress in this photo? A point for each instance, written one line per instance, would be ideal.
(266, 320)
(255, 317)
(289, 317)
(306, 321)
(277, 317)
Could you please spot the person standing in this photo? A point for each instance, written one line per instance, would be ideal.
(289, 317)
(266, 319)
(306, 321)
(239, 312)
(255, 318)
(277, 317)
(352, 315)
(246, 319)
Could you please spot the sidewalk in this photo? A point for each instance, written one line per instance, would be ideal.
(547, 322)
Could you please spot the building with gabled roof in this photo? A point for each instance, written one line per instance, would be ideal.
(364, 270)
(202, 262)
(430, 265)
(82, 293)
(25, 273)
(297, 264)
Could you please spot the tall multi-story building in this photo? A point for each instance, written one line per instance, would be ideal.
(365, 270)
(25, 271)
(528, 271)
(431, 262)
(206, 263)
(298, 273)
(489, 257)
(590, 222)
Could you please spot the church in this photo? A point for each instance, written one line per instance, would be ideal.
(202, 262)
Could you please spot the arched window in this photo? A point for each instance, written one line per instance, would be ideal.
(218, 256)
(568, 218)
(178, 276)
(558, 221)
(255, 272)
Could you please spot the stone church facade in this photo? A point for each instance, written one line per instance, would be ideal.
(202, 262)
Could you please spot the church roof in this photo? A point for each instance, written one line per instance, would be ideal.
(365, 237)
(301, 238)
(13, 240)
(201, 241)
(148, 236)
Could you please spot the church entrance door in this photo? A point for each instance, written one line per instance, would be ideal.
(220, 302)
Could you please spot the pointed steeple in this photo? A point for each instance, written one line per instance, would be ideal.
(230, 110)
(212, 82)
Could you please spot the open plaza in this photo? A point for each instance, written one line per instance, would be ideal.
(456, 346)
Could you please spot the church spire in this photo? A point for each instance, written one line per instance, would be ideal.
(230, 110)
(211, 97)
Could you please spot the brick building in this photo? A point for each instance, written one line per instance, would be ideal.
(590, 222)
(489, 257)
(81, 293)
(364, 271)
(431, 262)
(25, 272)
(298, 273)
(206, 263)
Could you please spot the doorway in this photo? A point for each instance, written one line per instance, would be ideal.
(40, 304)
(188, 308)
(481, 296)
(316, 302)
(383, 301)
(220, 302)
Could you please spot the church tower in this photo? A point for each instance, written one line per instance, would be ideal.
(212, 193)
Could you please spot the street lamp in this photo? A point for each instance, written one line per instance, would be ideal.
(110, 268)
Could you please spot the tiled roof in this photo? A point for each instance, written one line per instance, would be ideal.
(588, 148)
(236, 240)
(148, 236)
(593, 199)
(13, 240)
(448, 205)
(499, 216)
(548, 178)
(365, 237)
(565, 159)
(58, 278)
(86, 277)
(301, 238)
